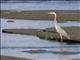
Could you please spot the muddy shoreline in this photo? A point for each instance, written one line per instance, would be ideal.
(12, 58)
(48, 33)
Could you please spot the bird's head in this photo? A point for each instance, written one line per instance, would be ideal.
(51, 13)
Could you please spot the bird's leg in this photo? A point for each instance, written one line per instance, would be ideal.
(61, 48)
(56, 38)
(61, 43)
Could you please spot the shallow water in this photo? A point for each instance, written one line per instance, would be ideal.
(21, 45)
(14, 45)
(34, 24)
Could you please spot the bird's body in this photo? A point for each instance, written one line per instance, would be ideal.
(58, 28)
(61, 31)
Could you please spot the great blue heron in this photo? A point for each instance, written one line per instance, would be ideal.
(58, 28)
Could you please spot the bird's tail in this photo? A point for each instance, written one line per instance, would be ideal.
(67, 36)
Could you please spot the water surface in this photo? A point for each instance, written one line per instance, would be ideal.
(34, 24)
(48, 5)
(26, 46)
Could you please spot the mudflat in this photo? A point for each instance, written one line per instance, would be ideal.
(62, 15)
(12, 58)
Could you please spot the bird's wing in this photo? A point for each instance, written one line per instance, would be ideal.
(62, 32)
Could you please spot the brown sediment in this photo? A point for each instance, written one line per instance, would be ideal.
(12, 58)
(49, 33)
(42, 15)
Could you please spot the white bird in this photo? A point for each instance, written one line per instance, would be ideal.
(58, 28)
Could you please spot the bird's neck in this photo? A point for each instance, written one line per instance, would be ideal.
(55, 21)
(55, 16)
